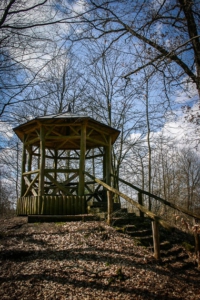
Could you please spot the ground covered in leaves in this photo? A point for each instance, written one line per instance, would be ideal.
(84, 260)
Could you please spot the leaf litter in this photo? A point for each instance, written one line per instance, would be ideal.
(85, 260)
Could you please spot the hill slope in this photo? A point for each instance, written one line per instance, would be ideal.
(85, 260)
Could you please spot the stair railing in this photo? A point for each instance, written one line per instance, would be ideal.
(156, 220)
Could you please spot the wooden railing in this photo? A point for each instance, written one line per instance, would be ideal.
(165, 202)
(156, 220)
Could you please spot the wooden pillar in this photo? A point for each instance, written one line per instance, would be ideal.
(55, 163)
(23, 186)
(156, 239)
(42, 162)
(81, 186)
(104, 163)
(108, 161)
(29, 160)
(108, 180)
(140, 201)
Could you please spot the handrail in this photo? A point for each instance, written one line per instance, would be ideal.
(159, 199)
(154, 217)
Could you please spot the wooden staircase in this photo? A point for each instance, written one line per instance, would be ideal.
(175, 252)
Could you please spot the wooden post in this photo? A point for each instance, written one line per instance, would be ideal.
(156, 239)
(42, 162)
(197, 248)
(81, 186)
(110, 207)
(55, 163)
(108, 161)
(140, 201)
(197, 241)
(23, 186)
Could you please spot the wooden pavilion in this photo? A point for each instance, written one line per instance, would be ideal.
(57, 150)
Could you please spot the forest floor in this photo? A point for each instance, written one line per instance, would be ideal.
(85, 260)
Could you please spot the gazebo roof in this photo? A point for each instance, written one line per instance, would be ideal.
(66, 125)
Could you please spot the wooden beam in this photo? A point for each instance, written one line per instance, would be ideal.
(31, 172)
(67, 141)
(61, 137)
(30, 184)
(59, 185)
(31, 142)
(61, 170)
(97, 142)
(71, 178)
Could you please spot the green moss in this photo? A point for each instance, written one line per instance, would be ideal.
(86, 235)
(111, 280)
(60, 223)
(188, 247)
(120, 229)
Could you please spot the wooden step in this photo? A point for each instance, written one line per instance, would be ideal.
(59, 218)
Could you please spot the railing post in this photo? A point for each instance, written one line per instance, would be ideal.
(140, 201)
(197, 248)
(110, 207)
(156, 239)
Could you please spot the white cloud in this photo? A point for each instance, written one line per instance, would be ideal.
(6, 131)
(188, 93)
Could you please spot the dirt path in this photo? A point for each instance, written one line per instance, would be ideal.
(84, 260)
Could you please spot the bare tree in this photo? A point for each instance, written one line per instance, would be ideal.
(26, 47)
(164, 33)
(109, 101)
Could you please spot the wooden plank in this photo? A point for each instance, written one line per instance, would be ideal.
(72, 205)
(50, 204)
(69, 205)
(63, 204)
(60, 205)
(83, 205)
(37, 205)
